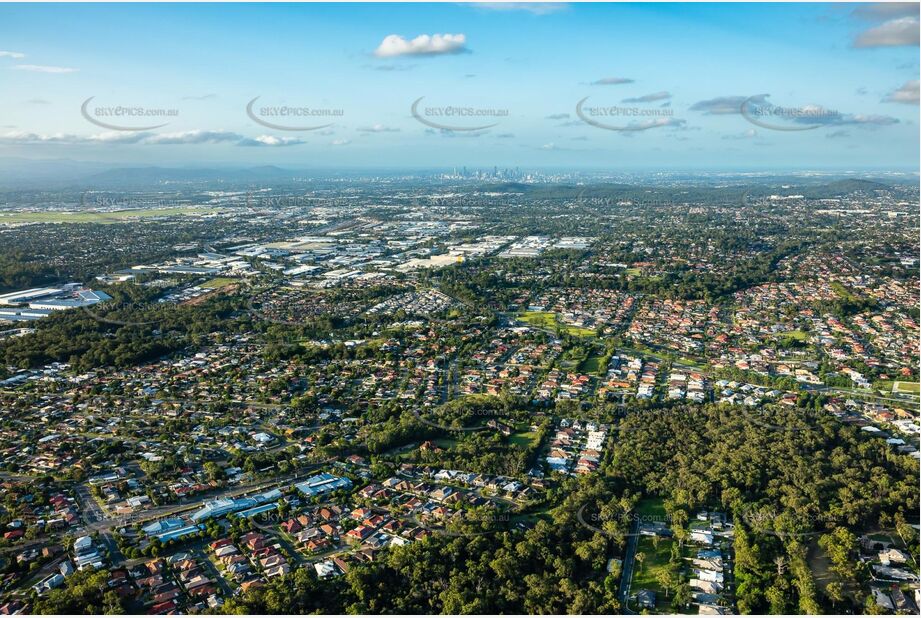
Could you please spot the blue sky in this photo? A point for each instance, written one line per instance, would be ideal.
(822, 86)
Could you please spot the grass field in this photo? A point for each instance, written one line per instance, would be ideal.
(798, 335)
(655, 558)
(114, 216)
(445, 443)
(577, 331)
(217, 282)
(906, 387)
(541, 319)
(645, 574)
(548, 320)
(684, 360)
(651, 508)
(592, 364)
(525, 439)
(534, 516)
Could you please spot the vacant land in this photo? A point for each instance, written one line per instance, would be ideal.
(539, 319)
(446, 443)
(550, 321)
(217, 282)
(593, 364)
(114, 216)
(576, 331)
(525, 439)
(651, 558)
(651, 509)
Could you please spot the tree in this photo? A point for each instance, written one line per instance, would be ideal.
(667, 577)
(682, 595)
(841, 546)
(213, 471)
(835, 592)
(781, 563)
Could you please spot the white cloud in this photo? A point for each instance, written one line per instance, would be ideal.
(22, 137)
(197, 136)
(535, 8)
(456, 134)
(11, 54)
(41, 68)
(146, 137)
(340, 142)
(120, 137)
(908, 93)
(873, 120)
(893, 33)
(377, 128)
(394, 45)
(271, 140)
(656, 123)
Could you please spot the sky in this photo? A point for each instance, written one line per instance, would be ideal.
(554, 85)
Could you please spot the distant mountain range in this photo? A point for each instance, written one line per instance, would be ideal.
(64, 173)
(159, 175)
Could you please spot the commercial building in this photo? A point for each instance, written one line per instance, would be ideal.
(322, 484)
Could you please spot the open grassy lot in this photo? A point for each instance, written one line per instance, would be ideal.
(906, 387)
(592, 364)
(645, 575)
(577, 331)
(445, 443)
(114, 216)
(696, 364)
(540, 319)
(653, 509)
(525, 439)
(217, 282)
(550, 321)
